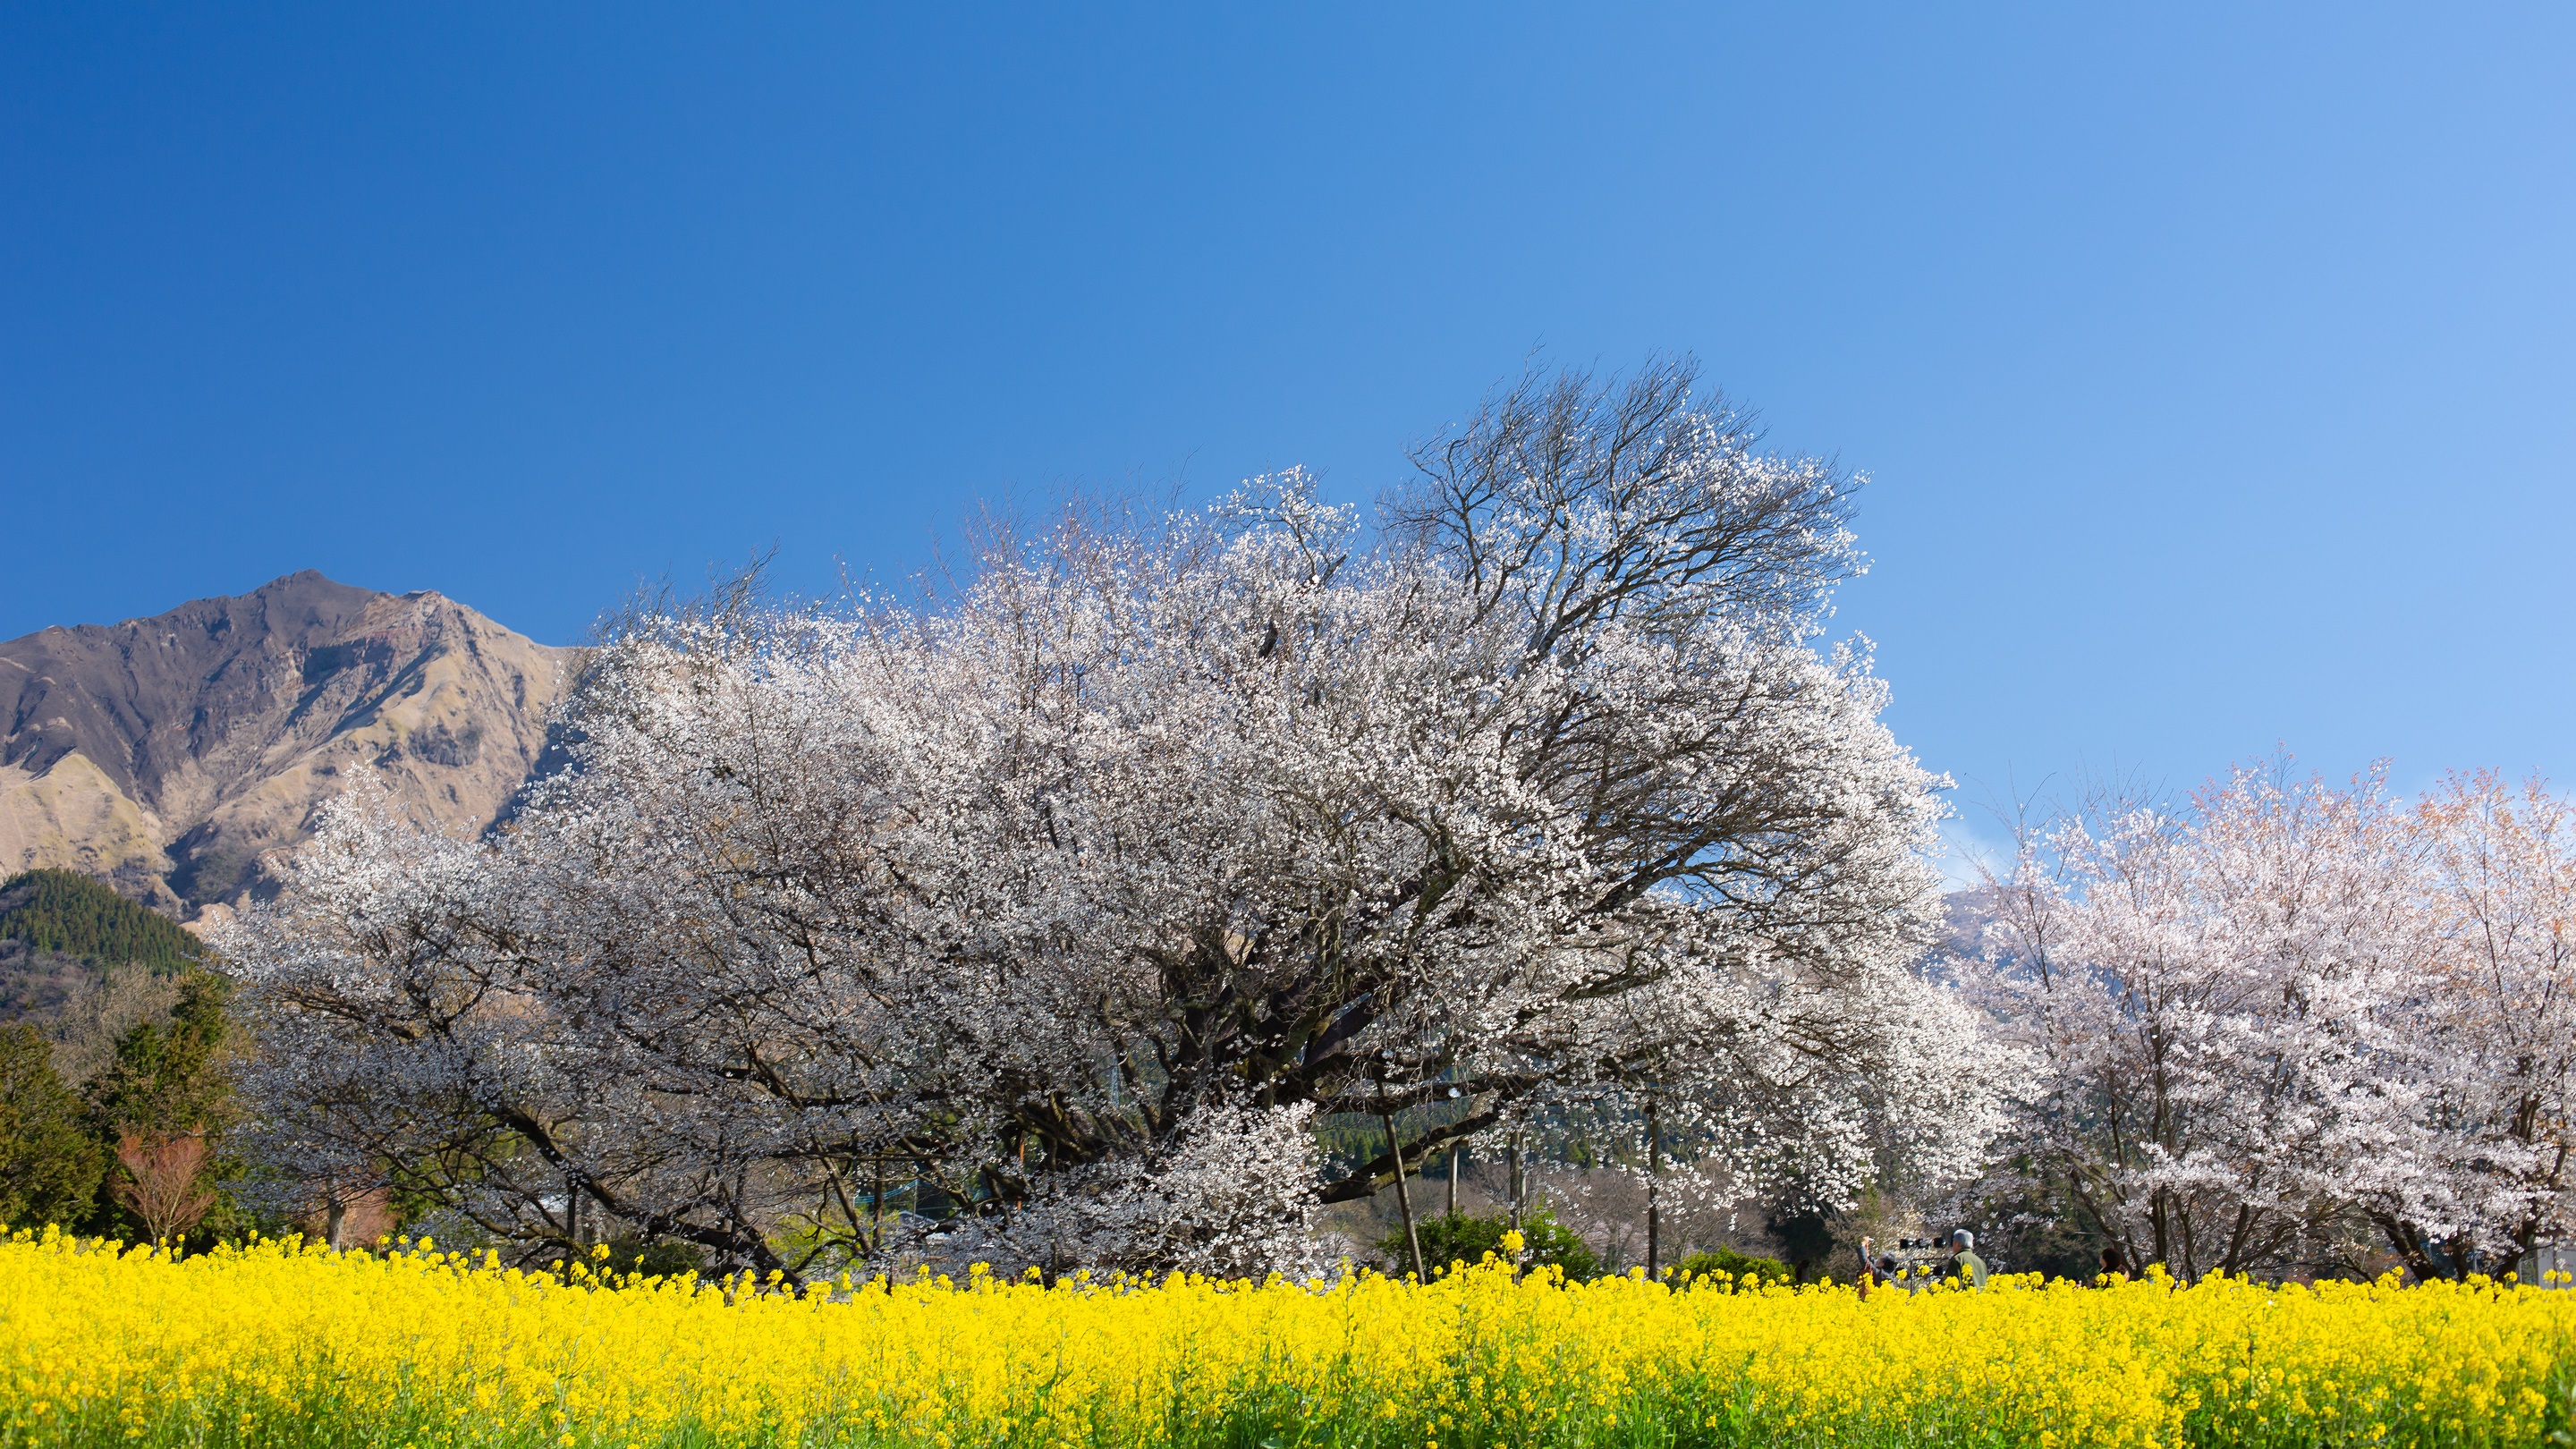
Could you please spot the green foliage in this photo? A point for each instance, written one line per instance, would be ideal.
(1348, 1139)
(1735, 1265)
(169, 1076)
(1459, 1238)
(1806, 1238)
(56, 910)
(662, 1257)
(50, 1166)
(172, 1076)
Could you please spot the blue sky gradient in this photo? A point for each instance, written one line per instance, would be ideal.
(2213, 367)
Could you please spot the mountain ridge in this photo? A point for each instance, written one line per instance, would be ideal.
(174, 756)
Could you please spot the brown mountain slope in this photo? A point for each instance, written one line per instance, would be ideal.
(168, 754)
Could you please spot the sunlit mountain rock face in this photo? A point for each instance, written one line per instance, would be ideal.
(174, 756)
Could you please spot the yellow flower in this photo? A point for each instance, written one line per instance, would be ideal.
(105, 1343)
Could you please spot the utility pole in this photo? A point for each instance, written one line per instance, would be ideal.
(1455, 1148)
(1395, 1149)
(1512, 1154)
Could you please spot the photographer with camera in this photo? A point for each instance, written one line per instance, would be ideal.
(1875, 1267)
(1962, 1262)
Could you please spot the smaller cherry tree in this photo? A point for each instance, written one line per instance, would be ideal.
(2487, 1164)
(2287, 1018)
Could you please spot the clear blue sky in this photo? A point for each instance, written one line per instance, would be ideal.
(2213, 363)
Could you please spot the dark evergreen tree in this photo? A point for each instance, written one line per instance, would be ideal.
(50, 1165)
(169, 1076)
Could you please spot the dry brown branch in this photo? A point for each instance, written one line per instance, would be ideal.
(160, 1184)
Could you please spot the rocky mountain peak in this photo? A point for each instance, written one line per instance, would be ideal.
(170, 755)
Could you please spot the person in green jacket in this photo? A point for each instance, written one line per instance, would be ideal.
(1964, 1260)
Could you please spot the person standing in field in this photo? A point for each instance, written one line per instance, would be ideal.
(1964, 1260)
(1875, 1268)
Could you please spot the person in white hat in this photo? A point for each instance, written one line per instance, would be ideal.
(1964, 1260)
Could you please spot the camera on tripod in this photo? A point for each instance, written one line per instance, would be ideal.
(1920, 1258)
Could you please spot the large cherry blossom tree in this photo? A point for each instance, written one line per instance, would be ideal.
(1067, 896)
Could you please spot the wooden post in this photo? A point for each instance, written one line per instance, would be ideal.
(1403, 1199)
(1453, 1181)
(1654, 1190)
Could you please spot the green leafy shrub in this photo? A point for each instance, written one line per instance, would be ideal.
(1734, 1265)
(660, 1258)
(1461, 1238)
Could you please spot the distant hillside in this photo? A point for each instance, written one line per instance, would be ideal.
(57, 911)
(83, 963)
(174, 756)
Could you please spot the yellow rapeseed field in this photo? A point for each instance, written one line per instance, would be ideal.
(282, 1344)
